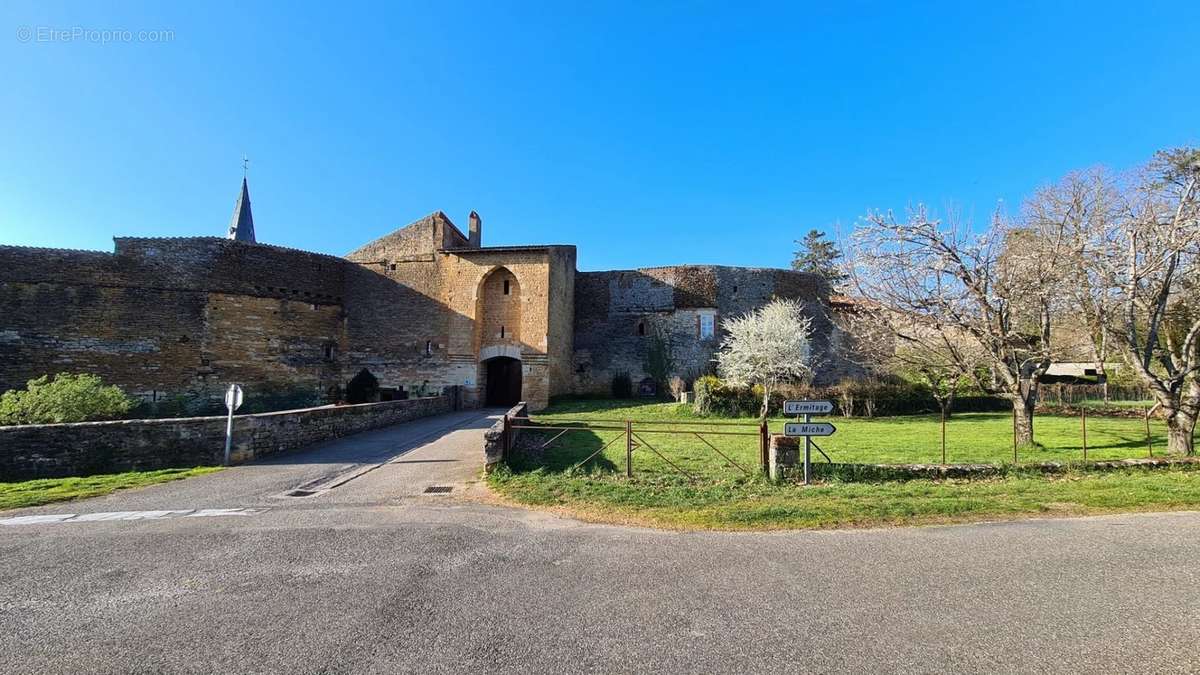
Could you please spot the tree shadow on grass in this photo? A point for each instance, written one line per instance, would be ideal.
(562, 454)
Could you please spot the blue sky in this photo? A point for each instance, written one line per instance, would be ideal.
(645, 133)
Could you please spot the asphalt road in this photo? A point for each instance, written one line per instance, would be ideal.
(374, 576)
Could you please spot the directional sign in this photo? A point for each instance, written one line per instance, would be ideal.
(233, 397)
(807, 407)
(808, 429)
(233, 401)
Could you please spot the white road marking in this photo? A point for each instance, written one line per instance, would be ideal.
(34, 520)
(126, 516)
(208, 513)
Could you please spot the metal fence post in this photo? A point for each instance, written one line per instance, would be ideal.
(1083, 423)
(628, 449)
(943, 435)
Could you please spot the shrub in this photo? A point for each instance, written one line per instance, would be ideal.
(66, 398)
(677, 386)
(714, 396)
(362, 388)
(660, 360)
(622, 386)
(894, 396)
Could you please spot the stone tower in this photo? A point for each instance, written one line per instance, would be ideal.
(241, 225)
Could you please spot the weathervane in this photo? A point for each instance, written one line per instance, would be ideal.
(245, 165)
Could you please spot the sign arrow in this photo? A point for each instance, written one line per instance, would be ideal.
(808, 429)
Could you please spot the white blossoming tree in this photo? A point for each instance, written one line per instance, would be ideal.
(767, 347)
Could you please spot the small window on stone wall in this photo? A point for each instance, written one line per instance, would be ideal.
(641, 329)
(501, 331)
(707, 326)
(428, 347)
(506, 289)
(330, 351)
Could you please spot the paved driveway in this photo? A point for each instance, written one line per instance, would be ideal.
(374, 576)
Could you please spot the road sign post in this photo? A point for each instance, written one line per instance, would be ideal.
(808, 428)
(807, 452)
(233, 401)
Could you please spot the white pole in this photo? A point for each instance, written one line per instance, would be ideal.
(228, 434)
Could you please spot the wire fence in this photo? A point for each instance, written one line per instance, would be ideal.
(652, 440)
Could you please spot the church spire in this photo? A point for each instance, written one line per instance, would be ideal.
(241, 225)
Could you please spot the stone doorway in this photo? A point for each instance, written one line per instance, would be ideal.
(503, 382)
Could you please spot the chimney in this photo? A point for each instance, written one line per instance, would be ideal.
(474, 227)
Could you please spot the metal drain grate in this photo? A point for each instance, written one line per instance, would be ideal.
(438, 489)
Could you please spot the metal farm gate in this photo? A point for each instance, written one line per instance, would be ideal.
(635, 433)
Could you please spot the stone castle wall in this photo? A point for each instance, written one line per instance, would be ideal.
(619, 314)
(425, 305)
(422, 308)
(173, 317)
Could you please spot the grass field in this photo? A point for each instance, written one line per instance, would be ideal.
(48, 490)
(970, 438)
(719, 496)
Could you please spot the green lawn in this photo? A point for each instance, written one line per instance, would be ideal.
(47, 490)
(719, 496)
(970, 438)
(740, 504)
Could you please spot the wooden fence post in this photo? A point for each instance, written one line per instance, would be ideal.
(1149, 444)
(764, 441)
(1014, 435)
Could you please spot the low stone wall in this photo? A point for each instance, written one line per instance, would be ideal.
(58, 450)
(493, 438)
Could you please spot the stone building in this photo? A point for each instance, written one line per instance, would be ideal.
(424, 307)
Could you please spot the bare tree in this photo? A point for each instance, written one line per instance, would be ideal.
(767, 347)
(948, 290)
(1136, 261)
(900, 345)
(1082, 209)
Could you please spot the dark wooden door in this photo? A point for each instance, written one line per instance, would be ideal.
(503, 381)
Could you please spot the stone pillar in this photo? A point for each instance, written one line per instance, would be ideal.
(784, 456)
